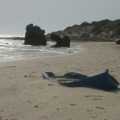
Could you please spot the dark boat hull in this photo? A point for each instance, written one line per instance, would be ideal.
(102, 81)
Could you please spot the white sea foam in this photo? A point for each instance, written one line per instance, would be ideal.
(8, 36)
(14, 49)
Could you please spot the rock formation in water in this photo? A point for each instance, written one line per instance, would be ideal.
(34, 35)
(65, 42)
(118, 42)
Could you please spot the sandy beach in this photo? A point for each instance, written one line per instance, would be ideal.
(25, 95)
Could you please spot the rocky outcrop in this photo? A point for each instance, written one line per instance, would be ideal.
(60, 42)
(34, 35)
(66, 41)
(57, 39)
(104, 30)
(118, 42)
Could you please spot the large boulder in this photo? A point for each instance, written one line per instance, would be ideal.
(118, 42)
(57, 39)
(34, 35)
(65, 42)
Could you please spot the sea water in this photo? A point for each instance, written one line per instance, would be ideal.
(15, 49)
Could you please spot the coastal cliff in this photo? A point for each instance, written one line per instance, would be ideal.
(104, 30)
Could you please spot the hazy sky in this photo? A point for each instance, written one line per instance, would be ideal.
(52, 15)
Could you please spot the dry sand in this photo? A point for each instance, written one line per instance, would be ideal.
(24, 95)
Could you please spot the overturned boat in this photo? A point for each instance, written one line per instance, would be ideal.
(103, 81)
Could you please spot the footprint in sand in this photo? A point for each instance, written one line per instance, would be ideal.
(73, 104)
(36, 106)
(1, 118)
(101, 108)
(28, 76)
(57, 108)
(90, 110)
(55, 97)
(1, 110)
(50, 84)
(95, 97)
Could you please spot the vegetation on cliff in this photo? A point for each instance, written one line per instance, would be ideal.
(104, 30)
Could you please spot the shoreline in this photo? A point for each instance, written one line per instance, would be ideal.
(70, 52)
(26, 95)
(34, 58)
(17, 51)
(81, 49)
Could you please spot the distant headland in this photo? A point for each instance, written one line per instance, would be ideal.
(104, 30)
